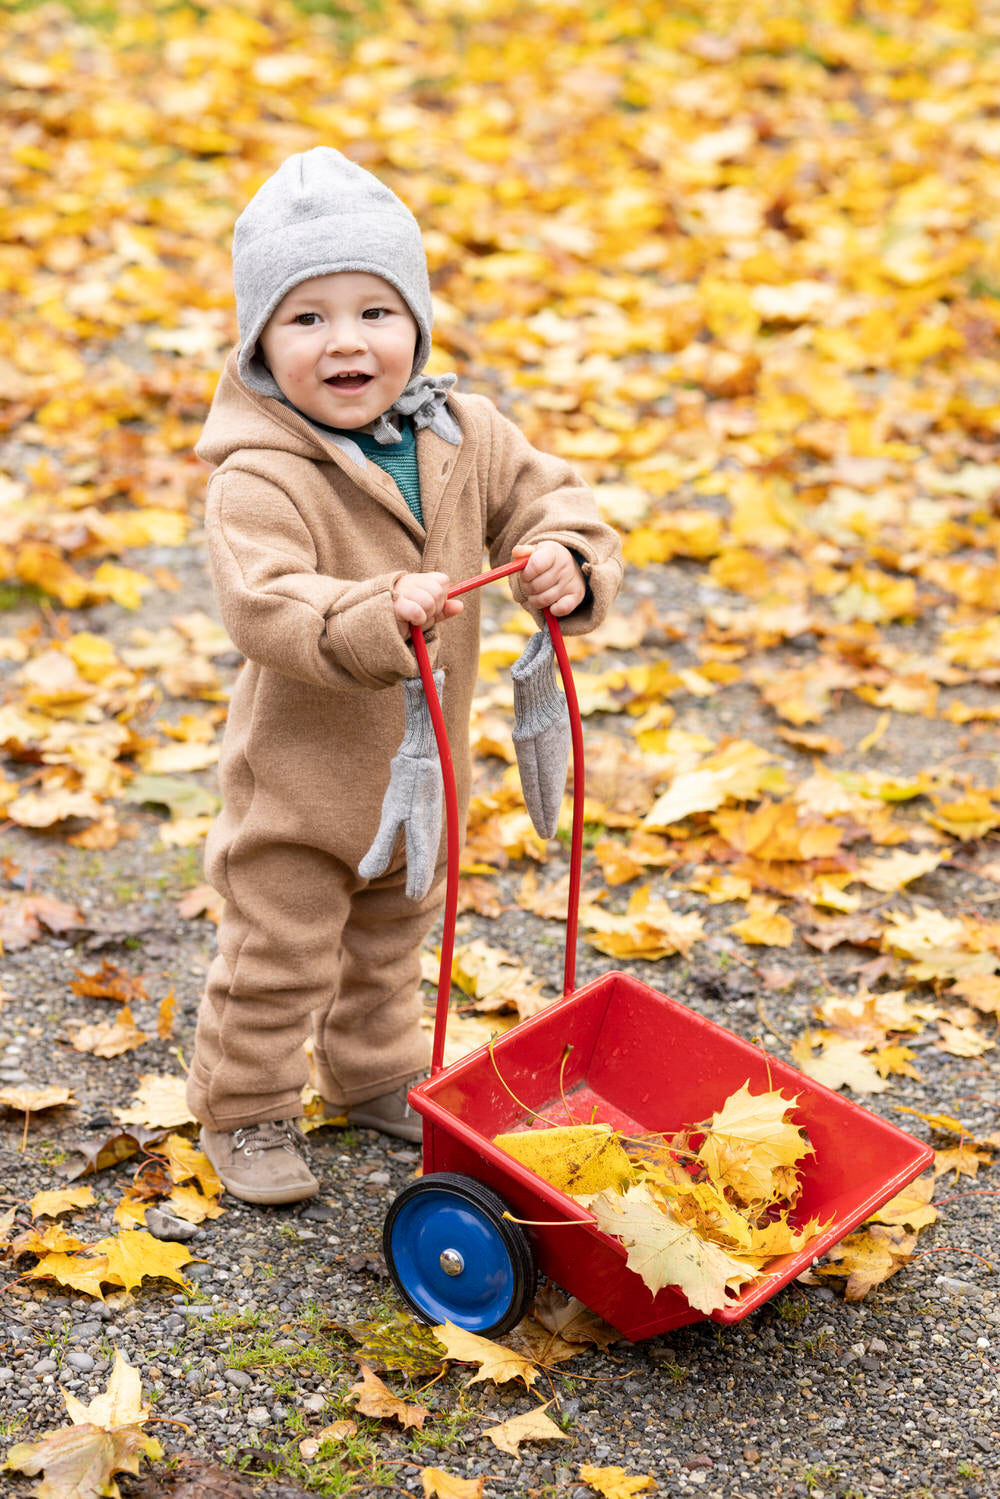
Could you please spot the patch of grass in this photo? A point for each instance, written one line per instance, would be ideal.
(792, 1309)
(19, 596)
(49, 1153)
(339, 1468)
(819, 1476)
(276, 1353)
(966, 1469)
(593, 833)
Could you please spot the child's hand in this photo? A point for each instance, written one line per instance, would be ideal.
(422, 599)
(552, 580)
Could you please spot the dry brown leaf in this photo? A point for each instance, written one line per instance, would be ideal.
(338, 1431)
(109, 1038)
(373, 1398)
(110, 982)
(79, 1461)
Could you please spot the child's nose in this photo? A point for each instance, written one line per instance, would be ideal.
(346, 336)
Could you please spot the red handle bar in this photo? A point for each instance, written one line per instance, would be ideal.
(453, 833)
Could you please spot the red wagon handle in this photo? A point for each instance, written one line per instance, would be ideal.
(452, 830)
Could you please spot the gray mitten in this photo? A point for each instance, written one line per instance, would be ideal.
(542, 735)
(412, 801)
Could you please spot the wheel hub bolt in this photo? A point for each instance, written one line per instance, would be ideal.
(452, 1262)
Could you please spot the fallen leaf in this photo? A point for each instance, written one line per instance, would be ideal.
(110, 982)
(531, 1426)
(911, 1207)
(33, 1100)
(615, 1483)
(840, 1063)
(109, 1038)
(373, 1398)
(495, 1362)
(964, 1160)
(339, 1431)
(749, 1141)
(963, 1040)
(63, 1200)
(401, 1343)
(573, 1321)
(441, 1485)
(159, 1101)
(868, 1258)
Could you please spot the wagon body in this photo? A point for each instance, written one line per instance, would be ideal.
(615, 1052)
(643, 1063)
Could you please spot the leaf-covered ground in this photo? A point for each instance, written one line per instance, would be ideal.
(740, 264)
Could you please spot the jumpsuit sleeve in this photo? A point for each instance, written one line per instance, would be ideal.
(536, 497)
(284, 614)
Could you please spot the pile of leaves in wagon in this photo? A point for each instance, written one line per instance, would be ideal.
(705, 1209)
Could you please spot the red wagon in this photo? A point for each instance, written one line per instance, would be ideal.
(614, 1051)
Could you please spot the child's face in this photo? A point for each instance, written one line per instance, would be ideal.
(340, 347)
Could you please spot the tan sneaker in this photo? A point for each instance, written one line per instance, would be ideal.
(261, 1162)
(390, 1113)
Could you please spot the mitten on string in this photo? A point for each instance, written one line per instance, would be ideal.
(412, 802)
(542, 737)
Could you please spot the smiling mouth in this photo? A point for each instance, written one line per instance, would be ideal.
(352, 381)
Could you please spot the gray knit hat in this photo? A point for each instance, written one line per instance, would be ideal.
(318, 214)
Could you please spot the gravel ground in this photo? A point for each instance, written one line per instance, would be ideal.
(811, 1395)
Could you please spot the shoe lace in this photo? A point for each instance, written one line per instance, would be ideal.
(269, 1134)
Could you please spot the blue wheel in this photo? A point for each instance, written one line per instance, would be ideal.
(454, 1257)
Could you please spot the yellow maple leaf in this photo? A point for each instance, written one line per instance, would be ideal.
(81, 1272)
(910, 1207)
(188, 1203)
(615, 1483)
(63, 1200)
(773, 831)
(967, 819)
(749, 1140)
(109, 1038)
(738, 771)
(963, 1040)
(531, 1426)
(133, 1255)
(964, 1159)
(158, 1101)
(496, 1363)
(764, 925)
(868, 1258)
(664, 1250)
(897, 870)
(441, 1485)
(33, 1100)
(575, 1158)
(649, 928)
(841, 1062)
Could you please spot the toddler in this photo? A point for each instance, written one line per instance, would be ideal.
(348, 491)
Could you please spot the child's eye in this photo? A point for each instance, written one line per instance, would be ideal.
(307, 319)
(375, 314)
